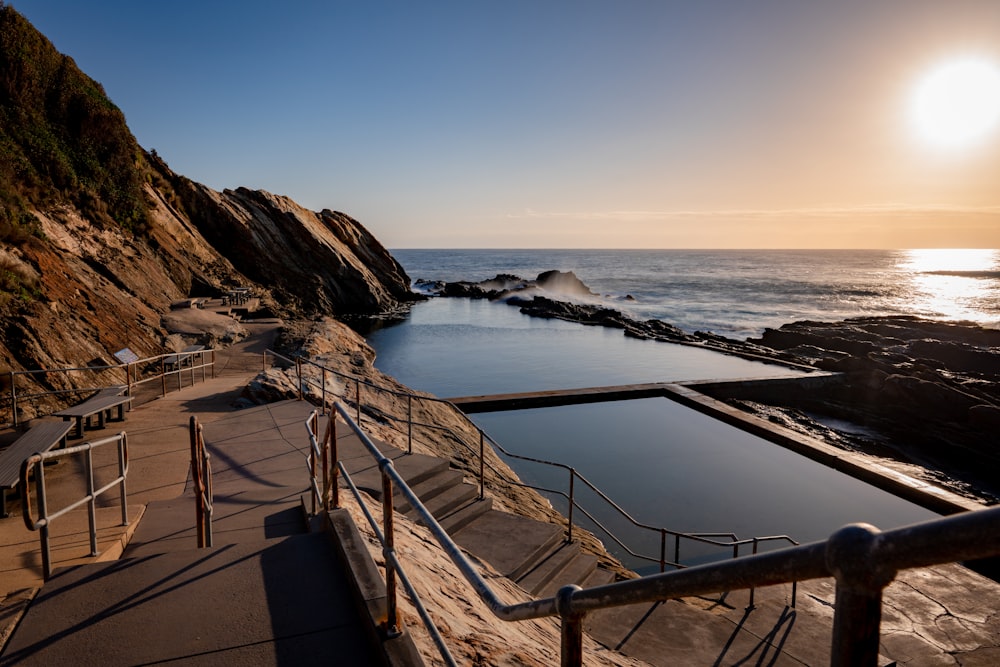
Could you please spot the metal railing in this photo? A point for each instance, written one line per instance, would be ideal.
(201, 476)
(729, 543)
(861, 559)
(36, 464)
(134, 375)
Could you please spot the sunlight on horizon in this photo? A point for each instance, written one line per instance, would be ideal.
(953, 283)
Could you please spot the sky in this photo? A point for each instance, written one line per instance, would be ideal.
(559, 124)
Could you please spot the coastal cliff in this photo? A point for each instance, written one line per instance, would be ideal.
(98, 237)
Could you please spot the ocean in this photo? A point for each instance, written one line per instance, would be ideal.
(739, 293)
(665, 463)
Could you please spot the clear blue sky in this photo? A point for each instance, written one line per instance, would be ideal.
(773, 123)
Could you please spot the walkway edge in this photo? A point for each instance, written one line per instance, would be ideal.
(369, 588)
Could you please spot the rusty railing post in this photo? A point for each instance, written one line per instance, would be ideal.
(482, 465)
(663, 549)
(199, 491)
(409, 423)
(391, 621)
(13, 399)
(572, 504)
(858, 602)
(331, 430)
(163, 376)
(571, 640)
(298, 374)
(322, 405)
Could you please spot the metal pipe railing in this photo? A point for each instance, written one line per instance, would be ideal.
(861, 559)
(206, 360)
(201, 476)
(731, 542)
(36, 464)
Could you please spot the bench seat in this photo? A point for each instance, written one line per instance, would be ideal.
(100, 405)
(41, 437)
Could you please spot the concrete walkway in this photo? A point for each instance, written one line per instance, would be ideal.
(248, 599)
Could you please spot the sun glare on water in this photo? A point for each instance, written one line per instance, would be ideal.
(957, 103)
(953, 284)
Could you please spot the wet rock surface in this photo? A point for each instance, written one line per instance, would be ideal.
(923, 394)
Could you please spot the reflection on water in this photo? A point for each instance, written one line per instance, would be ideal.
(673, 467)
(954, 284)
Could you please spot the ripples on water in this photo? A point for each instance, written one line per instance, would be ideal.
(739, 293)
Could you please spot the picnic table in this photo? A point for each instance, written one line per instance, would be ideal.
(183, 357)
(101, 404)
(41, 437)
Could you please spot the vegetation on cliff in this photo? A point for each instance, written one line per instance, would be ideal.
(61, 138)
(98, 237)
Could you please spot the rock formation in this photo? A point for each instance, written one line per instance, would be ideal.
(98, 237)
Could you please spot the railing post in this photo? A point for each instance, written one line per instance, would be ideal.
(163, 377)
(43, 515)
(753, 589)
(663, 550)
(213, 363)
(122, 467)
(313, 462)
(858, 603)
(571, 640)
(391, 627)
(322, 405)
(13, 399)
(199, 490)
(92, 501)
(677, 548)
(482, 465)
(263, 361)
(335, 482)
(409, 423)
(357, 399)
(298, 374)
(572, 504)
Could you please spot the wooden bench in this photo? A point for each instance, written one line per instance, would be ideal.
(100, 405)
(41, 437)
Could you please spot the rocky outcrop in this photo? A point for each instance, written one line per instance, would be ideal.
(314, 263)
(98, 237)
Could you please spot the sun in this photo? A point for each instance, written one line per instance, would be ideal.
(957, 103)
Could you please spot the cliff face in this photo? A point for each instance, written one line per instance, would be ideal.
(98, 237)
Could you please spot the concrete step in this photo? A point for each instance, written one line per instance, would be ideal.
(449, 500)
(575, 572)
(549, 567)
(261, 603)
(511, 544)
(430, 487)
(463, 516)
(599, 577)
(414, 468)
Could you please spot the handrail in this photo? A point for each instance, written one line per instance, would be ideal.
(320, 497)
(131, 370)
(201, 475)
(733, 543)
(861, 559)
(36, 463)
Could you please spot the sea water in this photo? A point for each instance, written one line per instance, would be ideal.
(667, 464)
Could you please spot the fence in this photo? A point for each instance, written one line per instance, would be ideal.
(355, 391)
(861, 559)
(36, 464)
(162, 369)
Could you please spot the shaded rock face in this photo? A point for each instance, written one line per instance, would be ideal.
(317, 263)
(930, 390)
